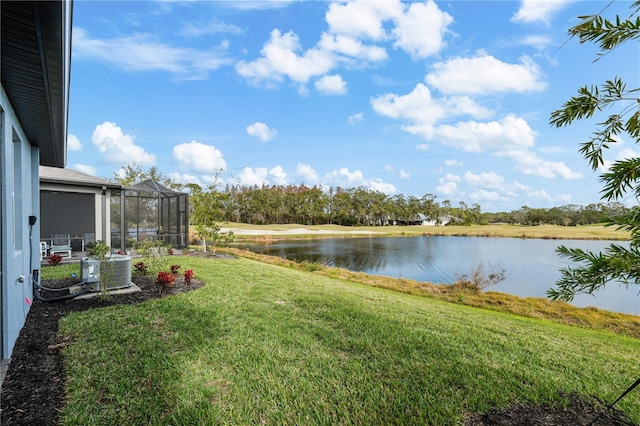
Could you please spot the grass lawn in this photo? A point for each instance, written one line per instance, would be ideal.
(268, 344)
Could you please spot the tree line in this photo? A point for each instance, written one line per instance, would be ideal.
(361, 206)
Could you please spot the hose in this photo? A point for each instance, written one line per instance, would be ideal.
(36, 287)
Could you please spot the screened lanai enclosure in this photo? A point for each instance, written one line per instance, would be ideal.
(149, 211)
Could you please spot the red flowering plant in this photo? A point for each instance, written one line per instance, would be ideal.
(141, 268)
(175, 269)
(54, 259)
(188, 275)
(164, 281)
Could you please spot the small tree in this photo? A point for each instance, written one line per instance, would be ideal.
(595, 270)
(206, 211)
(101, 252)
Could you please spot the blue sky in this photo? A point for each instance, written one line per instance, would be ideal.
(450, 98)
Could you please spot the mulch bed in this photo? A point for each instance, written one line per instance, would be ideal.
(33, 390)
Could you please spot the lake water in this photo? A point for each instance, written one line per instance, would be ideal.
(531, 265)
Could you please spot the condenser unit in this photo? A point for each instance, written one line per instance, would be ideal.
(117, 271)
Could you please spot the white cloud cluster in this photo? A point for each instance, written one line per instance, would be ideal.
(259, 176)
(490, 76)
(538, 10)
(119, 148)
(331, 85)
(487, 188)
(345, 178)
(432, 117)
(198, 157)
(357, 33)
(306, 174)
(261, 131)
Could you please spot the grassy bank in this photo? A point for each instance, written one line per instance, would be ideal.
(540, 308)
(262, 343)
(592, 232)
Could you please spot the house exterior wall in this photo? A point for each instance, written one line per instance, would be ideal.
(19, 251)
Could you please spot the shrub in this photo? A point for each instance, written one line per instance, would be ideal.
(188, 275)
(141, 268)
(54, 259)
(164, 281)
(174, 270)
(478, 278)
(98, 250)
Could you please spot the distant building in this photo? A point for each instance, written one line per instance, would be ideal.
(76, 204)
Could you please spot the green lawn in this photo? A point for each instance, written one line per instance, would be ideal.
(266, 344)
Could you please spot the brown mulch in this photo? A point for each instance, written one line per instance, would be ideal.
(33, 390)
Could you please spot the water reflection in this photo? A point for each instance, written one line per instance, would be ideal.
(532, 266)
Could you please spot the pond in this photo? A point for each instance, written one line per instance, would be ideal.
(531, 265)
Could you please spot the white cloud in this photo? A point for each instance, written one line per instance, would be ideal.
(420, 108)
(185, 178)
(199, 157)
(423, 147)
(510, 132)
(280, 58)
(262, 176)
(488, 196)
(119, 148)
(306, 173)
(346, 179)
(363, 19)
(278, 175)
(540, 195)
(416, 106)
(490, 75)
(484, 179)
(261, 131)
(84, 168)
(530, 164)
(213, 26)
(447, 186)
(510, 137)
(452, 178)
(355, 118)
(144, 52)
(73, 143)
(539, 10)
(404, 175)
(540, 42)
(352, 48)
(380, 186)
(420, 31)
(331, 85)
(353, 29)
(453, 163)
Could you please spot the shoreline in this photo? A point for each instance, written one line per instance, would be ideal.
(595, 232)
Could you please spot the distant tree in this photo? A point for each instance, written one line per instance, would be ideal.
(134, 173)
(615, 263)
